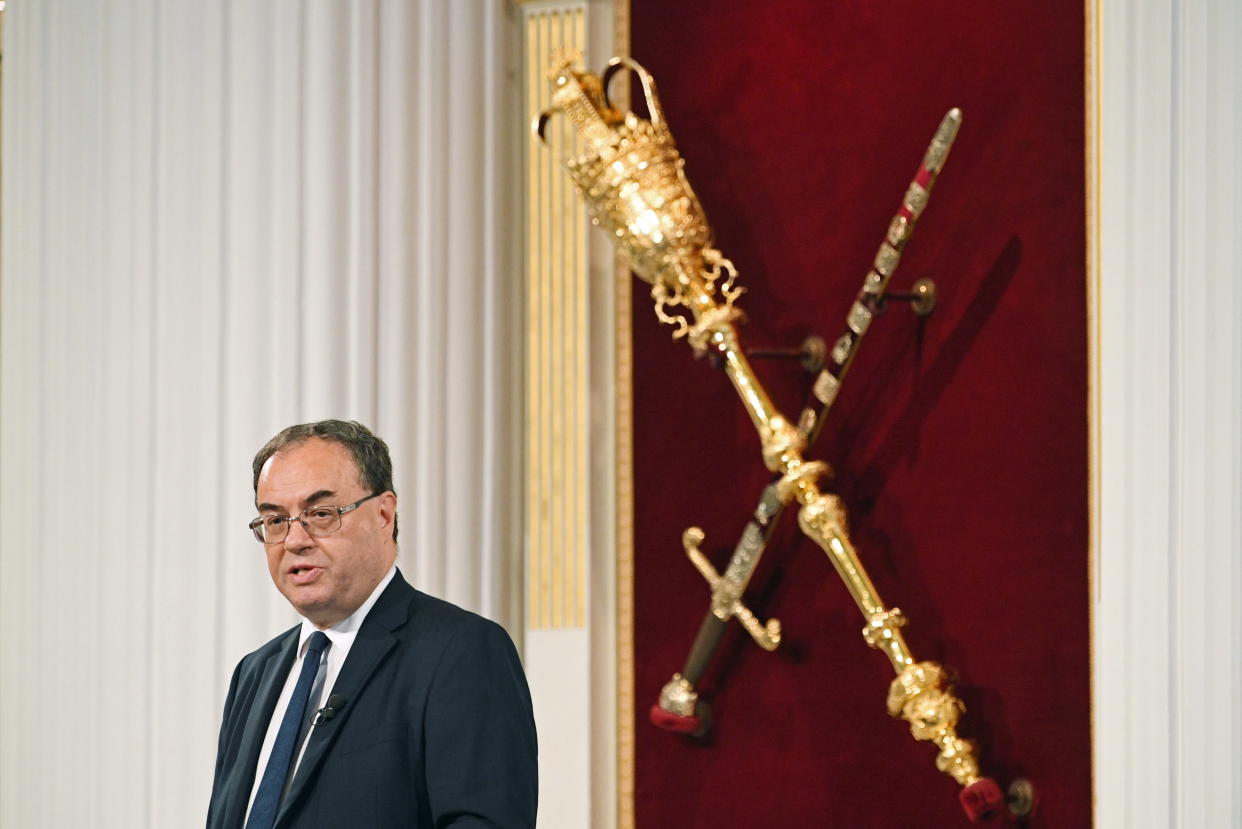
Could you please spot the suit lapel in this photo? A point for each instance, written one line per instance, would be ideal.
(375, 639)
(275, 671)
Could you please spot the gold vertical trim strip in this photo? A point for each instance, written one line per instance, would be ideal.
(557, 362)
(1093, 80)
(540, 365)
(569, 387)
(547, 348)
(582, 350)
(550, 385)
(562, 428)
(624, 395)
(564, 446)
(533, 490)
(556, 334)
(557, 348)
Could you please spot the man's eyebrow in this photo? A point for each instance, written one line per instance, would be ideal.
(306, 502)
(317, 496)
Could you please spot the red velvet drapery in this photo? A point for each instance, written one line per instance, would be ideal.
(960, 443)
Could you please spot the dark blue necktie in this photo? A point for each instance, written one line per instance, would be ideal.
(267, 799)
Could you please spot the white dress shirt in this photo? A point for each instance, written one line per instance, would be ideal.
(341, 635)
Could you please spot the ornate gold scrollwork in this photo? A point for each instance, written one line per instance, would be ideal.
(922, 695)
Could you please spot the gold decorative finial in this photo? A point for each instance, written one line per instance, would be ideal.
(563, 60)
(631, 176)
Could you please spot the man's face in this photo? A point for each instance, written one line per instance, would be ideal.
(326, 578)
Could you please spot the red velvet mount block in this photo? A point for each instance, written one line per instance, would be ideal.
(959, 442)
(675, 723)
(982, 800)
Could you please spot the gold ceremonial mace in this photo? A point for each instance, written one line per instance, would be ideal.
(632, 178)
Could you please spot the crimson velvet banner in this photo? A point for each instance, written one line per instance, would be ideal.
(959, 442)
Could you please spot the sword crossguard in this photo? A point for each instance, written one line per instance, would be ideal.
(726, 595)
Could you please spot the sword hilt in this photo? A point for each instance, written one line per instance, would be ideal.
(726, 595)
(679, 708)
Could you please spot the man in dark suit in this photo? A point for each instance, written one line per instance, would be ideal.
(385, 707)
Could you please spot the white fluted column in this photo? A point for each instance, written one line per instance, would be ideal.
(1168, 602)
(220, 219)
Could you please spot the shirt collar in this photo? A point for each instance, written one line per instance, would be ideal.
(344, 630)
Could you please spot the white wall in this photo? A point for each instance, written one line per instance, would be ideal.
(220, 219)
(1168, 603)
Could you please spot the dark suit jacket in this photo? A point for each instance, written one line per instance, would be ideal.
(437, 729)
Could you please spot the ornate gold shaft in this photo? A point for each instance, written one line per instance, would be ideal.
(738, 369)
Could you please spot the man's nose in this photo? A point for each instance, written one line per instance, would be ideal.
(297, 538)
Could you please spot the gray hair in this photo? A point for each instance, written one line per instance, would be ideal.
(370, 452)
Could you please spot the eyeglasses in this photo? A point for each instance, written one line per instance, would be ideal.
(319, 520)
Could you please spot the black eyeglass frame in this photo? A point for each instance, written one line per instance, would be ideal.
(258, 525)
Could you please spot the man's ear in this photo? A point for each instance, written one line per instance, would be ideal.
(387, 510)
